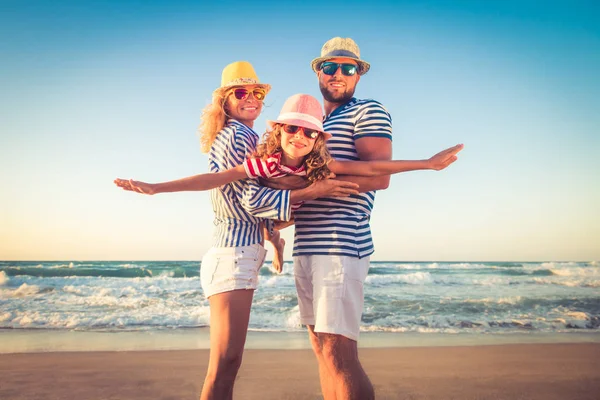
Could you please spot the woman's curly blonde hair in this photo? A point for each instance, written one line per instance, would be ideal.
(213, 120)
(315, 162)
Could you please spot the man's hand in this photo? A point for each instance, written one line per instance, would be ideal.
(444, 158)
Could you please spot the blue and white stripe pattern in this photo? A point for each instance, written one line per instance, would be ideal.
(340, 226)
(240, 206)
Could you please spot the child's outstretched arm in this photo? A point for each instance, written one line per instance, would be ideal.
(200, 182)
(386, 167)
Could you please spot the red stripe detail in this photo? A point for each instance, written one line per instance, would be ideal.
(272, 164)
(259, 164)
(249, 163)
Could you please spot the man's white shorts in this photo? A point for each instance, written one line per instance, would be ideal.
(330, 292)
(224, 269)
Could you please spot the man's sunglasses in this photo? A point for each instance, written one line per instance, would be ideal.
(293, 129)
(243, 93)
(330, 68)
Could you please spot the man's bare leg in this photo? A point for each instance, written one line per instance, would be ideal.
(340, 357)
(326, 378)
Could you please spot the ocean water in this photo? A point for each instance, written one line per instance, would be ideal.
(417, 297)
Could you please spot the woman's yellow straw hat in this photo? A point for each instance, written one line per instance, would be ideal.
(240, 73)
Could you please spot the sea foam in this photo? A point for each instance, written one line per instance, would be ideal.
(26, 290)
(3, 278)
(443, 297)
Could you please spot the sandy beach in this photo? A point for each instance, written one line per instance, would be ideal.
(509, 371)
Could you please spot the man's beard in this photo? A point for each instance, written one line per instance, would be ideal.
(338, 98)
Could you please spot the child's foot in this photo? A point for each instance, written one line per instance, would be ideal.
(278, 246)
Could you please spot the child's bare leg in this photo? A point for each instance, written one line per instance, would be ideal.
(278, 245)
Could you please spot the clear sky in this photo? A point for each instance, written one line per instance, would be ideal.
(94, 90)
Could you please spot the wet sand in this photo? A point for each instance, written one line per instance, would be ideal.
(508, 371)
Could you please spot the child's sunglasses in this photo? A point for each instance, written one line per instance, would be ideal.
(243, 93)
(293, 129)
(330, 68)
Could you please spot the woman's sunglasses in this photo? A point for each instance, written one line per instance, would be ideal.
(293, 129)
(243, 93)
(330, 68)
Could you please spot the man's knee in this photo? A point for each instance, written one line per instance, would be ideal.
(314, 341)
(338, 351)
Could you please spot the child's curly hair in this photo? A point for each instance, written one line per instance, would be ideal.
(315, 162)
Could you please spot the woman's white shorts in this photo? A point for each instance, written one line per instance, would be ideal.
(224, 269)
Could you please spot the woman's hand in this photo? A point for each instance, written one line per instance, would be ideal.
(444, 158)
(135, 186)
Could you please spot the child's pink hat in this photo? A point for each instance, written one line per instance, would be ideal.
(301, 110)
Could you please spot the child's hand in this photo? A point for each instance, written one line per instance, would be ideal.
(290, 182)
(333, 188)
(135, 186)
(444, 158)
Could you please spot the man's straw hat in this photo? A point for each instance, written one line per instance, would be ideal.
(239, 73)
(340, 48)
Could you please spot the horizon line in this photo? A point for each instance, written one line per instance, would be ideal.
(291, 261)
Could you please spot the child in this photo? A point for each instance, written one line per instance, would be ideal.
(295, 145)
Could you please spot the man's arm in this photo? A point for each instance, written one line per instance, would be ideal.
(371, 148)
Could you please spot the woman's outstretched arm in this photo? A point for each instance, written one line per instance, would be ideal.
(199, 182)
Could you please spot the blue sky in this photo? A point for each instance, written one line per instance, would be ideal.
(96, 90)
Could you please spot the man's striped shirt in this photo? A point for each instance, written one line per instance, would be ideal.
(240, 206)
(340, 226)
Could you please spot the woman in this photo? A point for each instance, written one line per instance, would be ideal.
(229, 271)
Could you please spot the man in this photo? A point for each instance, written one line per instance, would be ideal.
(333, 237)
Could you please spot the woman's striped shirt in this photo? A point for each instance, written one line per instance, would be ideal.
(340, 226)
(240, 206)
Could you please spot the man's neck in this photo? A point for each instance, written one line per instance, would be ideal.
(329, 106)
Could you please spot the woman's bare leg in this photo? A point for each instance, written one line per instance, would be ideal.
(229, 316)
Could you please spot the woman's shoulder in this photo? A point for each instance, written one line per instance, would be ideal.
(238, 138)
(235, 128)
